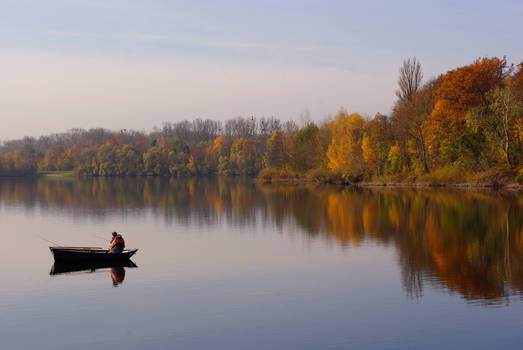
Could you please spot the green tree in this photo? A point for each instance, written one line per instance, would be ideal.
(376, 143)
(155, 162)
(305, 148)
(275, 156)
(499, 122)
(394, 160)
(129, 161)
(106, 160)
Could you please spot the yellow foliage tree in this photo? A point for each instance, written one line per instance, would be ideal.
(369, 154)
(345, 152)
(394, 159)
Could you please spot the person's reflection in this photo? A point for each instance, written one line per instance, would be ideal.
(117, 275)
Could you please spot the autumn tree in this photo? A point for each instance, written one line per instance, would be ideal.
(449, 136)
(394, 160)
(87, 164)
(305, 155)
(128, 160)
(275, 156)
(408, 120)
(200, 162)
(345, 153)
(221, 146)
(106, 160)
(515, 81)
(404, 110)
(376, 143)
(245, 157)
(155, 161)
(467, 87)
(499, 121)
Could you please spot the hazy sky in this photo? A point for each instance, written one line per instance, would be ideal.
(133, 64)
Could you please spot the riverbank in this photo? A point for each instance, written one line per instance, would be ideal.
(447, 177)
(57, 173)
(513, 186)
(491, 179)
(463, 185)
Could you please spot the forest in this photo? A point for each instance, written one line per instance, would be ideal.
(464, 125)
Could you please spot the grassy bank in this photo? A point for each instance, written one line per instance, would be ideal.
(500, 177)
(56, 173)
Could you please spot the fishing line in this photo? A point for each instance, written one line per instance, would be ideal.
(54, 243)
(49, 241)
(104, 238)
(45, 239)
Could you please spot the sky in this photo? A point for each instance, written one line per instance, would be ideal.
(134, 64)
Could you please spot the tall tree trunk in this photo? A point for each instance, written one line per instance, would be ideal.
(506, 133)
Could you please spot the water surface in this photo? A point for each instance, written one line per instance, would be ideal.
(229, 264)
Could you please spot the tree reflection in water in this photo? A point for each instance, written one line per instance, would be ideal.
(469, 242)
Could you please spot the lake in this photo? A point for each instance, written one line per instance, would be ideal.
(227, 263)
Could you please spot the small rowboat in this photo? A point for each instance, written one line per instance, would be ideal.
(90, 254)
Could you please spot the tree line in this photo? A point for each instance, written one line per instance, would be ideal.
(465, 122)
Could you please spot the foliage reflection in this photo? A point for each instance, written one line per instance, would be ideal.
(470, 243)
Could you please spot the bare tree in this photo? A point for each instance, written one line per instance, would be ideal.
(266, 126)
(410, 79)
(240, 127)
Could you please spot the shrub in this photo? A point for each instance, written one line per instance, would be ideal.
(446, 174)
(519, 177)
(273, 173)
(323, 175)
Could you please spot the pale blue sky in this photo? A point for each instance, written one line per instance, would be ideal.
(134, 64)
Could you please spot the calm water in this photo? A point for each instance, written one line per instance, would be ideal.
(229, 264)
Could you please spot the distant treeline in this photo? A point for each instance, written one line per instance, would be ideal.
(466, 121)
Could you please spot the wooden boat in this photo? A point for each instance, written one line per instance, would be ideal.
(90, 254)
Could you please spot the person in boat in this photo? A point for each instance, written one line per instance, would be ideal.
(117, 243)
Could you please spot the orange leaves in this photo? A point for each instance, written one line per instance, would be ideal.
(516, 80)
(221, 146)
(460, 93)
(466, 87)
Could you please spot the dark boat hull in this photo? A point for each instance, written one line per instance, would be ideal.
(89, 254)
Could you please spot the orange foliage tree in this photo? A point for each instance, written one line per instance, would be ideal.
(449, 137)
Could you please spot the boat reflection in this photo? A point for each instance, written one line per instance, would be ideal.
(116, 269)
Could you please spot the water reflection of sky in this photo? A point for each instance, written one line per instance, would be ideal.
(233, 265)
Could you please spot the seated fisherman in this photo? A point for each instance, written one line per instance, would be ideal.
(117, 243)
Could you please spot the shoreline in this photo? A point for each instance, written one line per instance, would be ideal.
(513, 186)
(460, 185)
